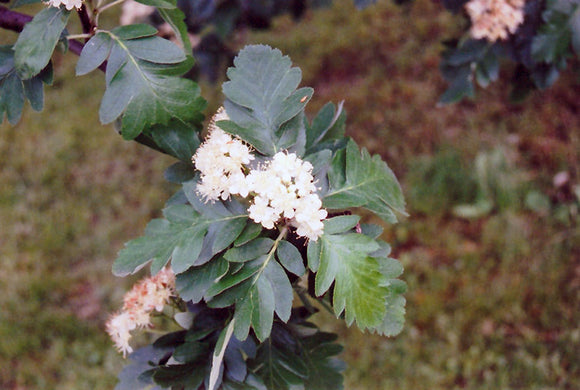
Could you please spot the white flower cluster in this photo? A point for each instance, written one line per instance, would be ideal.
(221, 159)
(282, 188)
(146, 296)
(494, 19)
(69, 4)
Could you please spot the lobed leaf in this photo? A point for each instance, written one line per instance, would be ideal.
(359, 285)
(358, 180)
(181, 237)
(262, 96)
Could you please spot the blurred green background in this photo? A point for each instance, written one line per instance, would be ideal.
(491, 249)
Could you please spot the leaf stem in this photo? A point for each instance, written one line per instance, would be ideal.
(107, 6)
(78, 36)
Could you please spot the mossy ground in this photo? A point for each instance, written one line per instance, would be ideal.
(492, 302)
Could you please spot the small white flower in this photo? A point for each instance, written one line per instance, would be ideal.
(119, 327)
(221, 159)
(262, 213)
(69, 4)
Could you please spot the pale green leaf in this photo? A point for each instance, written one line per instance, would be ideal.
(359, 180)
(359, 285)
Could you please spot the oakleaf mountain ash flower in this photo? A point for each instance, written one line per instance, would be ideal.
(69, 4)
(282, 188)
(148, 295)
(494, 19)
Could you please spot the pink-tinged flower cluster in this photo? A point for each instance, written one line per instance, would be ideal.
(69, 4)
(282, 188)
(494, 19)
(146, 296)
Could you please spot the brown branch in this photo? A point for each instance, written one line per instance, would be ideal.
(12, 20)
(86, 22)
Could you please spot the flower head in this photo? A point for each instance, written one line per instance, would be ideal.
(285, 188)
(221, 159)
(494, 19)
(146, 296)
(69, 4)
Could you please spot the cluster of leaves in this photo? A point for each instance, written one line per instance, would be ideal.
(242, 330)
(144, 95)
(297, 354)
(541, 47)
(247, 276)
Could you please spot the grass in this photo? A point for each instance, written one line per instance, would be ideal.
(493, 301)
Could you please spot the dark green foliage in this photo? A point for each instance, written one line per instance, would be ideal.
(37, 41)
(141, 77)
(14, 90)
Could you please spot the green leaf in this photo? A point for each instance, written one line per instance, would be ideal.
(340, 224)
(14, 91)
(11, 98)
(358, 180)
(394, 319)
(158, 3)
(256, 309)
(262, 96)
(177, 139)
(133, 31)
(251, 231)
(180, 172)
(141, 83)
(181, 237)
(296, 357)
(290, 258)
(277, 362)
(259, 288)
(194, 283)
(324, 371)
(329, 124)
(551, 43)
(94, 53)
(251, 250)
(176, 19)
(359, 285)
(38, 40)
